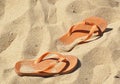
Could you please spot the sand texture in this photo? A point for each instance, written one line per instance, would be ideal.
(29, 28)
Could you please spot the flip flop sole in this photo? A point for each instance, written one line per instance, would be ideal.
(29, 68)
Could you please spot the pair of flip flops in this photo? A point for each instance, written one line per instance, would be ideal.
(61, 64)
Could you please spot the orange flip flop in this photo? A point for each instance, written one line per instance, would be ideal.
(46, 65)
(82, 32)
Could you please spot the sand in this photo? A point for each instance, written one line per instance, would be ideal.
(29, 28)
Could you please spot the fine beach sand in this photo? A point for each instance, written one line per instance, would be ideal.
(29, 28)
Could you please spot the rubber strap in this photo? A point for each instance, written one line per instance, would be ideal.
(61, 58)
(92, 30)
(70, 31)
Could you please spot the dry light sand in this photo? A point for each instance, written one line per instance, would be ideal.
(29, 28)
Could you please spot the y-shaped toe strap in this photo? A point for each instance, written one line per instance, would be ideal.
(61, 58)
(91, 32)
